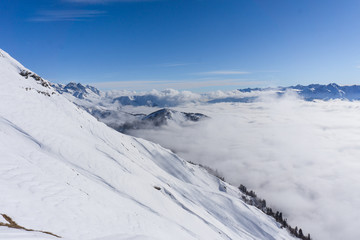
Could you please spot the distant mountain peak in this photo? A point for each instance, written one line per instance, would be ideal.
(160, 118)
(316, 91)
(76, 89)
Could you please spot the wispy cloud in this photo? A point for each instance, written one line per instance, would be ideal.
(223, 72)
(66, 15)
(104, 1)
(269, 71)
(174, 64)
(358, 66)
(148, 85)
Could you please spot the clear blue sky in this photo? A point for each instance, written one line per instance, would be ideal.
(185, 44)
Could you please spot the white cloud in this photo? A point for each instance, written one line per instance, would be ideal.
(67, 15)
(303, 157)
(192, 84)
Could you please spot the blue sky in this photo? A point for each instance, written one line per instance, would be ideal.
(200, 45)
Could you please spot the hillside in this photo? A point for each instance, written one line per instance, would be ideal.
(64, 172)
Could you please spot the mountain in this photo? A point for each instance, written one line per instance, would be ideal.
(233, 99)
(63, 173)
(161, 117)
(76, 89)
(146, 100)
(163, 99)
(316, 91)
(109, 110)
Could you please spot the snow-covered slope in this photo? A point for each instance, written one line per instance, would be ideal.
(63, 172)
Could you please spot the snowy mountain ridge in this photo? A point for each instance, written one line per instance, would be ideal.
(64, 172)
(76, 89)
(315, 91)
(172, 98)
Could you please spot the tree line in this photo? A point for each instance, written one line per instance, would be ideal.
(251, 198)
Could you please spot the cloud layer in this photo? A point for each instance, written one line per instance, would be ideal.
(186, 84)
(303, 157)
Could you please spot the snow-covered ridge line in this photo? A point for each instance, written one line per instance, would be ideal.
(64, 171)
(315, 91)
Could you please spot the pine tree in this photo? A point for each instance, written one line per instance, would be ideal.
(301, 235)
(263, 203)
(277, 216)
(242, 188)
(280, 217)
(252, 193)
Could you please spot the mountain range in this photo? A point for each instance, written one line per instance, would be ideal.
(315, 91)
(110, 110)
(167, 99)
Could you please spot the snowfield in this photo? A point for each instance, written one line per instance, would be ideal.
(63, 172)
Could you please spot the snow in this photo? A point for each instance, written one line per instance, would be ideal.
(64, 172)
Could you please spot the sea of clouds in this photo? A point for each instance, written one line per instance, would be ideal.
(302, 157)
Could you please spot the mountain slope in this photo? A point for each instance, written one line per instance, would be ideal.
(64, 172)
